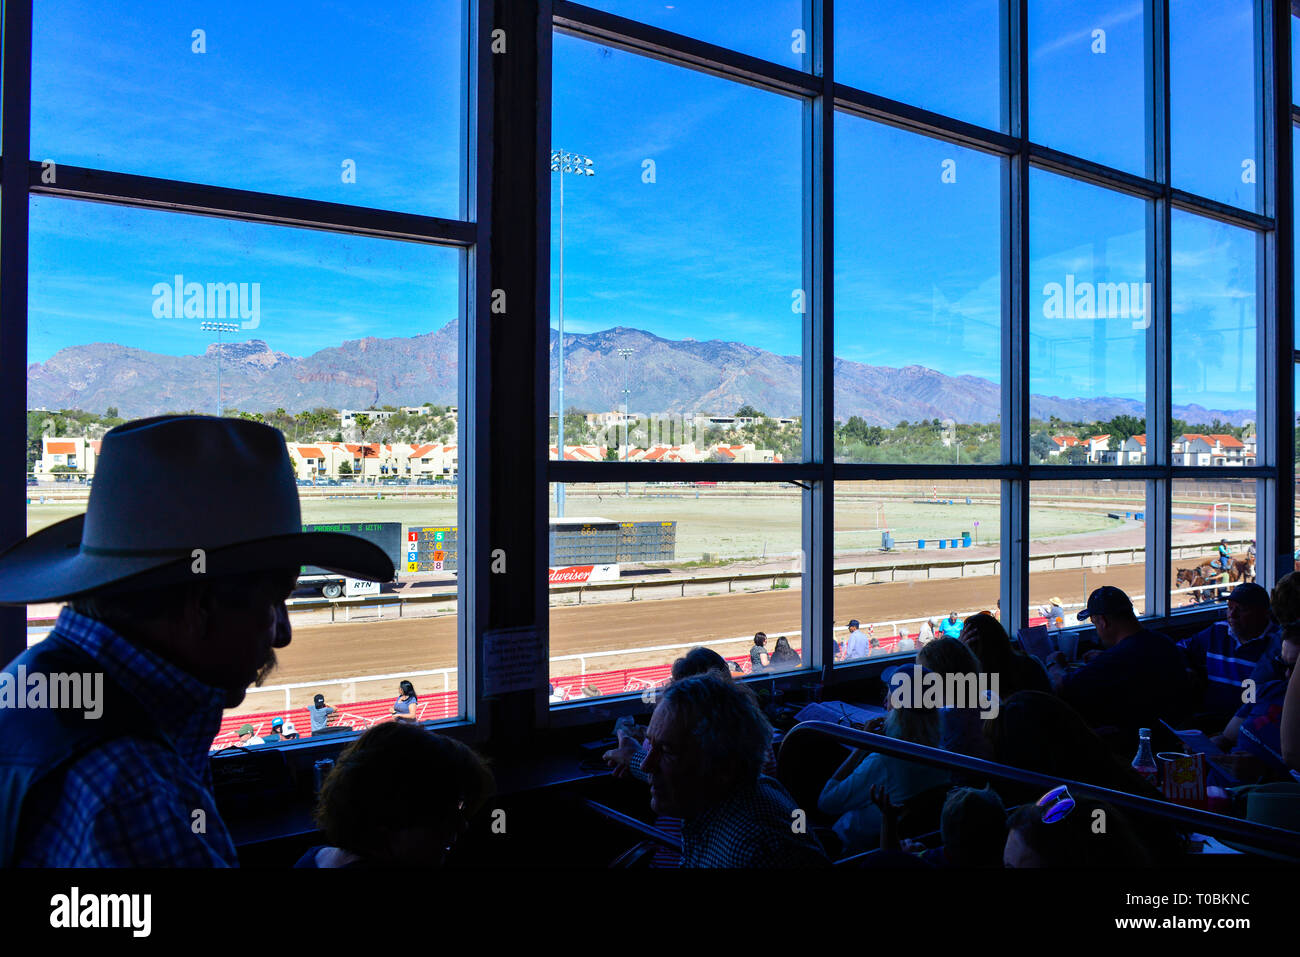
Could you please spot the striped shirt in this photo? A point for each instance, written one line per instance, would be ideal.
(1226, 661)
(133, 801)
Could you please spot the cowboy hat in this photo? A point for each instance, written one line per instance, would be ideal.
(178, 498)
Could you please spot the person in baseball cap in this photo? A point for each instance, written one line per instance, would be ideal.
(176, 579)
(1138, 678)
(320, 714)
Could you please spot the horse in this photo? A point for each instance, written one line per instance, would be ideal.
(1199, 577)
(1241, 570)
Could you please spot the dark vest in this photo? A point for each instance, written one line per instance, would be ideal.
(37, 742)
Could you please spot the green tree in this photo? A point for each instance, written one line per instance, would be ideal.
(747, 411)
(1077, 455)
(363, 423)
(1041, 445)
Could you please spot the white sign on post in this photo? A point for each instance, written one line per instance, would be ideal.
(355, 587)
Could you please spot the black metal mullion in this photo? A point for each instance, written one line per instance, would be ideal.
(150, 192)
(819, 612)
(14, 226)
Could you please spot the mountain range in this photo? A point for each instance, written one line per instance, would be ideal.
(664, 375)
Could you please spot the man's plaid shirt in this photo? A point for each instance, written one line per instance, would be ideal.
(753, 827)
(132, 801)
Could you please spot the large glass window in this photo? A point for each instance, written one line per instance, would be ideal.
(908, 557)
(1087, 81)
(1089, 309)
(1214, 350)
(944, 57)
(1084, 534)
(918, 298)
(135, 313)
(642, 573)
(776, 30)
(678, 298)
(1214, 111)
(259, 96)
(1213, 539)
(687, 279)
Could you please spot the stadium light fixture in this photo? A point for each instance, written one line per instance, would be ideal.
(219, 328)
(563, 162)
(627, 446)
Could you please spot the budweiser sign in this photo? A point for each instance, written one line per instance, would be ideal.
(571, 575)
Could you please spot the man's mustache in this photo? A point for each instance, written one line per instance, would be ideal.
(267, 667)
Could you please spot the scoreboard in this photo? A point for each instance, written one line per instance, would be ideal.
(387, 535)
(602, 541)
(432, 548)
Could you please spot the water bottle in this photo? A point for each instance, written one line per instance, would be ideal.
(1145, 762)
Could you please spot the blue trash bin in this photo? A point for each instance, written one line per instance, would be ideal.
(920, 543)
(943, 543)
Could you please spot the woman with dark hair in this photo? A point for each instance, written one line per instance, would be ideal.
(371, 823)
(758, 657)
(988, 641)
(783, 656)
(404, 706)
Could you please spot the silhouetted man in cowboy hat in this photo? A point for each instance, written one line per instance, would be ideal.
(176, 579)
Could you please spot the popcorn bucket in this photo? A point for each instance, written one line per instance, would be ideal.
(1182, 778)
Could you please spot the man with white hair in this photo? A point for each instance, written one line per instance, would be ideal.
(708, 741)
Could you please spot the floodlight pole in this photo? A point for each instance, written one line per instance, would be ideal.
(219, 328)
(564, 162)
(626, 354)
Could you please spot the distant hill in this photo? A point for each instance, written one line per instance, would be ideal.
(665, 375)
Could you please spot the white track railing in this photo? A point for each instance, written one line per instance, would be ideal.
(893, 626)
(297, 686)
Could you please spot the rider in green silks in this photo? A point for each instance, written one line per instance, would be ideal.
(1225, 556)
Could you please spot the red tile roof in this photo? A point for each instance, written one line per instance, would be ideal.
(1229, 441)
(61, 448)
(310, 452)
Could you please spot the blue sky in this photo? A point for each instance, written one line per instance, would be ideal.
(692, 225)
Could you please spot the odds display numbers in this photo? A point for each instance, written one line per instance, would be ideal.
(432, 549)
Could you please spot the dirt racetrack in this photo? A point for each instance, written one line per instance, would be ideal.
(324, 652)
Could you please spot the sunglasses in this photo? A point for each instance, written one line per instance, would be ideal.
(1056, 804)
